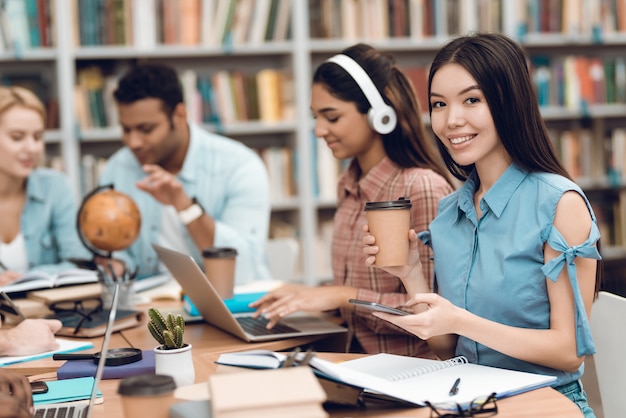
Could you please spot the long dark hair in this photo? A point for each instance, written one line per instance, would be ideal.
(499, 66)
(407, 145)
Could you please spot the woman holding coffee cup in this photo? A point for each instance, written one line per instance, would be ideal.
(367, 111)
(516, 248)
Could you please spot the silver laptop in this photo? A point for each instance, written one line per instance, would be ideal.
(203, 295)
(84, 409)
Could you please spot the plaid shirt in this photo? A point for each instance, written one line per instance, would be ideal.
(386, 181)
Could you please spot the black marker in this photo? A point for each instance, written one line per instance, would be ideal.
(455, 387)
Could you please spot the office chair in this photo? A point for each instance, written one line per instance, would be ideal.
(609, 334)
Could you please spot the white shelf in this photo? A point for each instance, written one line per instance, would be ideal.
(178, 51)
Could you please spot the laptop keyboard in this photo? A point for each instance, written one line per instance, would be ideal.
(257, 326)
(58, 412)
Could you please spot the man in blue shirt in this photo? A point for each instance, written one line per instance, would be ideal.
(194, 189)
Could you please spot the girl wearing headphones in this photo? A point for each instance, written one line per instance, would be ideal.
(367, 111)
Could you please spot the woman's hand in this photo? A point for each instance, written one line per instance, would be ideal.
(435, 316)
(8, 277)
(30, 336)
(111, 266)
(411, 273)
(292, 298)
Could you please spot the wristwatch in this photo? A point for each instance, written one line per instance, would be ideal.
(192, 213)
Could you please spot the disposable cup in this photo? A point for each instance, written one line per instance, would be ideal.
(147, 395)
(219, 267)
(389, 222)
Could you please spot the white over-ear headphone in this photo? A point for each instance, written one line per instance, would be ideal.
(381, 116)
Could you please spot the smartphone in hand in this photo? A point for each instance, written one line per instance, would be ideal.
(39, 387)
(374, 306)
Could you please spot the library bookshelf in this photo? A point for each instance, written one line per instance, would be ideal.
(246, 67)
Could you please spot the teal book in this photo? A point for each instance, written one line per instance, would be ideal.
(66, 391)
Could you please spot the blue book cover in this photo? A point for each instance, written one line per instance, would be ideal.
(82, 368)
(237, 304)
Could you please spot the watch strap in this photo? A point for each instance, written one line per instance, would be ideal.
(192, 213)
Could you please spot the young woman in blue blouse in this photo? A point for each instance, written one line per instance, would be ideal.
(37, 226)
(515, 249)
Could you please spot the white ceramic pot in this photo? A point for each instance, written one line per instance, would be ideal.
(176, 363)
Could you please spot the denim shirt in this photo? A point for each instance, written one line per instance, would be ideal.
(494, 266)
(48, 223)
(229, 181)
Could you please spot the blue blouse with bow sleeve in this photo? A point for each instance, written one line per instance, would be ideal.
(494, 266)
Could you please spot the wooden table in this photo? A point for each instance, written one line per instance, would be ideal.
(208, 342)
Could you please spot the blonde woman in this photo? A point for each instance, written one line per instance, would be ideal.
(37, 226)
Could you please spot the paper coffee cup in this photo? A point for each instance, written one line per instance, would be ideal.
(219, 267)
(147, 395)
(389, 222)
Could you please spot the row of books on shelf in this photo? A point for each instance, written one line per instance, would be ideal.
(145, 24)
(223, 97)
(575, 81)
(591, 162)
(610, 213)
(25, 24)
(382, 19)
(280, 165)
(236, 96)
(280, 228)
(40, 84)
(148, 23)
(593, 19)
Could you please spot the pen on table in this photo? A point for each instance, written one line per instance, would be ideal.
(455, 387)
(8, 305)
(307, 357)
(115, 278)
(104, 276)
(291, 358)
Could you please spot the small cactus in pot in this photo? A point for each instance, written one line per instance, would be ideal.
(168, 330)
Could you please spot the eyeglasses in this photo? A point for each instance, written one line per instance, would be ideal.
(76, 313)
(484, 406)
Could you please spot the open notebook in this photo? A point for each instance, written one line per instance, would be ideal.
(418, 380)
(78, 409)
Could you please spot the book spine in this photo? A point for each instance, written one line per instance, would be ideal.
(408, 374)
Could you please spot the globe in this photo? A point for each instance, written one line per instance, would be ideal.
(108, 220)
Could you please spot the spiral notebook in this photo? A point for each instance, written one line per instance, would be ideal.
(418, 380)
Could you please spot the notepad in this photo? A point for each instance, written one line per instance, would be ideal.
(65, 346)
(419, 380)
